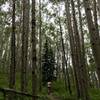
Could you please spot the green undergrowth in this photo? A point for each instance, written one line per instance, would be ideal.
(94, 94)
(58, 89)
(4, 80)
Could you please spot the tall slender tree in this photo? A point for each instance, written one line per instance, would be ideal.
(83, 55)
(95, 16)
(66, 73)
(98, 1)
(24, 45)
(13, 47)
(72, 45)
(40, 44)
(78, 53)
(18, 37)
(94, 38)
(34, 65)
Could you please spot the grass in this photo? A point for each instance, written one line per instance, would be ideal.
(58, 89)
(3, 80)
(95, 94)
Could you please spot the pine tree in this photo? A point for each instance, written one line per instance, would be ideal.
(48, 63)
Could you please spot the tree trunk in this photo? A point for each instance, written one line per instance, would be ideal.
(83, 56)
(18, 39)
(25, 45)
(40, 47)
(98, 1)
(95, 17)
(94, 38)
(34, 66)
(72, 45)
(13, 60)
(58, 64)
(78, 56)
(66, 73)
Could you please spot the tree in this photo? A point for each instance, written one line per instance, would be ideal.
(48, 64)
(77, 56)
(25, 45)
(72, 45)
(66, 73)
(13, 47)
(95, 17)
(34, 59)
(79, 59)
(98, 1)
(94, 36)
(13, 61)
(40, 45)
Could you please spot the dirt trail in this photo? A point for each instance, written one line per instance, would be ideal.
(52, 97)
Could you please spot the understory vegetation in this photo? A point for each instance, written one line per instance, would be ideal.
(58, 89)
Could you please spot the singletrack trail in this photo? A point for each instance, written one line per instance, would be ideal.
(52, 97)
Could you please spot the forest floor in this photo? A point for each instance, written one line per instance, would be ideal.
(52, 97)
(58, 90)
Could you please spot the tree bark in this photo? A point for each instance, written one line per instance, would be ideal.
(34, 65)
(95, 17)
(40, 46)
(25, 45)
(66, 73)
(72, 45)
(13, 58)
(83, 57)
(98, 7)
(94, 38)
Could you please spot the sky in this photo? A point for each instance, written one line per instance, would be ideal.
(5, 7)
(50, 7)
